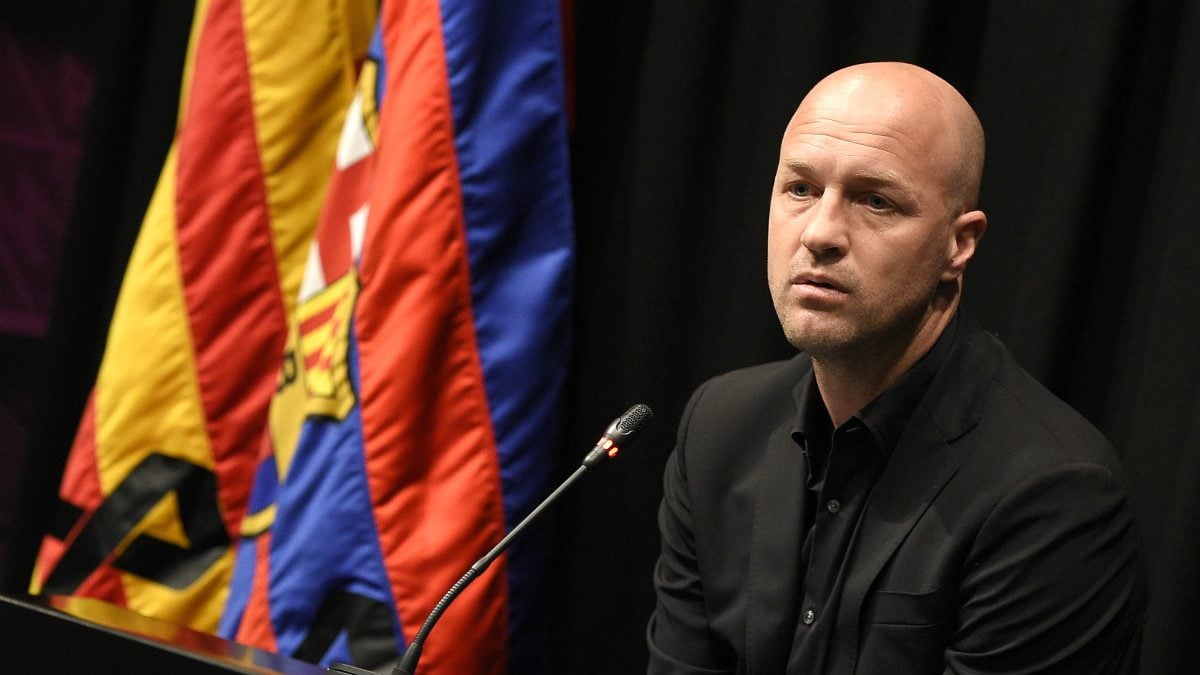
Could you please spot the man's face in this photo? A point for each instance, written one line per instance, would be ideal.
(860, 229)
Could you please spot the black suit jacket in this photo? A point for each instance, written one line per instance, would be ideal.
(998, 537)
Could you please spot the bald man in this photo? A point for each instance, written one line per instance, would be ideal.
(900, 497)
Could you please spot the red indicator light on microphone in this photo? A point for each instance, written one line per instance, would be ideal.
(612, 452)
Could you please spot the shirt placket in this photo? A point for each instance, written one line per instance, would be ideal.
(840, 501)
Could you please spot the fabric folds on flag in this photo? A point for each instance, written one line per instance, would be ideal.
(429, 356)
(159, 475)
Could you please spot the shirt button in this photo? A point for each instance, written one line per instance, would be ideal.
(809, 617)
(833, 506)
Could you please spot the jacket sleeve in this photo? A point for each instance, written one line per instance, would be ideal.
(1054, 581)
(677, 634)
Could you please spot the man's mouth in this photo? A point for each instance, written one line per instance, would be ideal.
(819, 281)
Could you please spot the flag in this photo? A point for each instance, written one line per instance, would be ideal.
(429, 356)
(159, 474)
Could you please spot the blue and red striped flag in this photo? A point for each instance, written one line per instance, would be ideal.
(429, 357)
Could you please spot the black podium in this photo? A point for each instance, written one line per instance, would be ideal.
(64, 636)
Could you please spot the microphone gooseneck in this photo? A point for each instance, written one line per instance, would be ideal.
(621, 432)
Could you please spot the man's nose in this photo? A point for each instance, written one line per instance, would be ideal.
(825, 228)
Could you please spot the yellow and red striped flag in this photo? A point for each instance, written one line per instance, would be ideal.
(160, 471)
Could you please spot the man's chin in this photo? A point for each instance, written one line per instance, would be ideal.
(818, 336)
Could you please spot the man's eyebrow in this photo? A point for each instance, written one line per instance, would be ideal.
(798, 166)
(867, 176)
(880, 177)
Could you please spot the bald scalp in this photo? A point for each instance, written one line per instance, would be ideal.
(929, 104)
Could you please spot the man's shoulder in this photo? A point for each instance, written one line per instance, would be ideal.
(1049, 417)
(747, 402)
(1016, 409)
(730, 420)
(753, 386)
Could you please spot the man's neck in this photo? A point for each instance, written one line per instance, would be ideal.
(849, 381)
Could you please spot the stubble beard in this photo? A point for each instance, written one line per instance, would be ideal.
(863, 334)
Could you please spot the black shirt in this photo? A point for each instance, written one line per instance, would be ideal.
(841, 466)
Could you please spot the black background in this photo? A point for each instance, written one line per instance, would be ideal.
(1088, 270)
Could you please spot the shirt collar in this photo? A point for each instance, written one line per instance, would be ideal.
(887, 415)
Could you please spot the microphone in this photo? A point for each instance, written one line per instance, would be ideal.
(620, 433)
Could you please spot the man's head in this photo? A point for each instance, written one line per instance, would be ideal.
(873, 212)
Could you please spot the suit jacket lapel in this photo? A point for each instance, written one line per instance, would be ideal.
(774, 576)
(916, 472)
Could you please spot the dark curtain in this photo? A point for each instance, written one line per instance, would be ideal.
(1088, 270)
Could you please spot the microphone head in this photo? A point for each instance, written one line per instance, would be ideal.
(626, 427)
(620, 433)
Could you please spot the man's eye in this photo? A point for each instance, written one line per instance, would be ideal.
(877, 202)
(800, 190)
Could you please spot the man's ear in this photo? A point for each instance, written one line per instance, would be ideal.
(967, 229)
